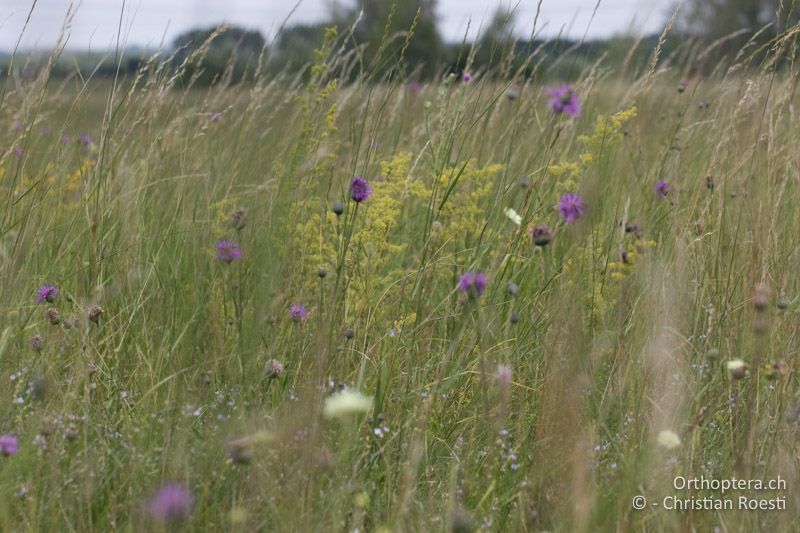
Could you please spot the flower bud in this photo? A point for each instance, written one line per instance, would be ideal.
(94, 314)
(52, 316)
(541, 235)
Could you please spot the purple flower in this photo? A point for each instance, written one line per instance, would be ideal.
(65, 139)
(47, 293)
(662, 188)
(564, 99)
(298, 313)
(360, 189)
(86, 140)
(571, 207)
(172, 503)
(274, 369)
(18, 151)
(16, 126)
(466, 77)
(8, 445)
(228, 251)
(473, 284)
(215, 117)
(414, 87)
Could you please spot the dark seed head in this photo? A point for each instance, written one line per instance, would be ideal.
(541, 235)
(94, 314)
(774, 370)
(238, 218)
(36, 343)
(461, 521)
(782, 302)
(337, 208)
(512, 288)
(761, 298)
(71, 433)
(48, 426)
(52, 316)
(514, 318)
(321, 272)
(240, 450)
(349, 333)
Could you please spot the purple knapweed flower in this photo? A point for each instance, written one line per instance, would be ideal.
(16, 126)
(473, 284)
(662, 188)
(298, 313)
(466, 77)
(274, 369)
(86, 140)
(228, 251)
(172, 503)
(564, 99)
(360, 189)
(571, 207)
(65, 139)
(47, 293)
(8, 445)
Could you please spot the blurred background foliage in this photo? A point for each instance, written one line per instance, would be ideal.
(384, 36)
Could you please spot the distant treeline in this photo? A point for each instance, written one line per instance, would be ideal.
(382, 39)
(293, 52)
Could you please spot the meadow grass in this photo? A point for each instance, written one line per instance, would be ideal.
(599, 374)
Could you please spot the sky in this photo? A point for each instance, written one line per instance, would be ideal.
(148, 23)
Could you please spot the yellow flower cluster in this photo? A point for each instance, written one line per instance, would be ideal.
(620, 269)
(466, 209)
(607, 132)
(320, 239)
(221, 216)
(72, 182)
(600, 296)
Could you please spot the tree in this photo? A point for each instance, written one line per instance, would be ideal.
(295, 45)
(497, 40)
(384, 26)
(231, 48)
(731, 24)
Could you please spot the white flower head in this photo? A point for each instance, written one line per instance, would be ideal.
(737, 368)
(736, 365)
(669, 439)
(346, 403)
(513, 216)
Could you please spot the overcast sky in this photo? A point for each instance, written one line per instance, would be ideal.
(147, 22)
